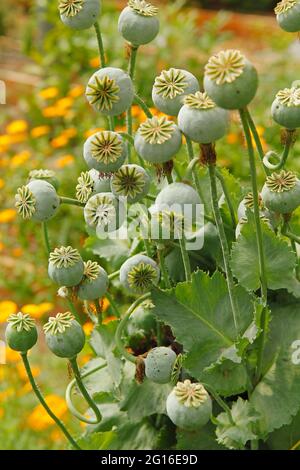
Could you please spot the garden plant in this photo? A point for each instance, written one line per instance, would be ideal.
(207, 356)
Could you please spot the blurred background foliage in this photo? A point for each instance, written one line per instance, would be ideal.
(44, 124)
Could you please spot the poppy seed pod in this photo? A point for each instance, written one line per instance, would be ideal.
(288, 15)
(21, 333)
(139, 273)
(79, 14)
(286, 108)
(159, 364)
(138, 22)
(65, 266)
(281, 192)
(37, 200)
(105, 151)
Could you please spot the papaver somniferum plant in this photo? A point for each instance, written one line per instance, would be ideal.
(207, 354)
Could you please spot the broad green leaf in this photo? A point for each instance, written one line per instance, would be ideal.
(204, 439)
(280, 260)
(115, 251)
(96, 441)
(236, 434)
(286, 437)
(99, 380)
(141, 400)
(277, 396)
(199, 313)
(226, 378)
(135, 436)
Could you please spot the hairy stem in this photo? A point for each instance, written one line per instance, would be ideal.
(100, 44)
(73, 310)
(220, 401)
(191, 155)
(44, 404)
(71, 201)
(131, 70)
(99, 311)
(227, 197)
(256, 138)
(163, 268)
(46, 237)
(143, 105)
(185, 257)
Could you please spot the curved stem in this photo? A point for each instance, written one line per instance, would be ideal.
(224, 243)
(256, 138)
(227, 197)
(71, 201)
(185, 257)
(164, 269)
(73, 310)
(83, 390)
(291, 235)
(69, 391)
(143, 105)
(44, 404)
(46, 237)
(100, 44)
(99, 312)
(284, 155)
(121, 326)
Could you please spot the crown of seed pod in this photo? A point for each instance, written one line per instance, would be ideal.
(21, 333)
(281, 192)
(157, 140)
(91, 182)
(65, 266)
(286, 108)
(94, 283)
(79, 14)
(170, 89)
(104, 212)
(110, 91)
(37, 200)
(139, 273)
(46, 175)
(138, 22)
(201, 120)
(288, 15)
(130, 181)
(105, 151)
(64, 335)
(189, 406)
(230, 79)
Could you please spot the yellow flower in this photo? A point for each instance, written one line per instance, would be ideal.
(1, 246)
(71, 132)
(232, 138)
(39, 420)
(93, 131)
(48, 93)
(2, 183)
(22, 372)
(63, 161)
(4, 394)
(59, 141)
(11, 356)
(5, 140)
(76, 91)
(7, 215)
(54, 111)
(1, 413)
(37, 310)
(20, 158)
(88, 328)
(17, 252)
(17, 127)
(39, 131)
(109, 319)
(64, 102)
(95, 62)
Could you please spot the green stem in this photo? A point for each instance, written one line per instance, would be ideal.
(143, 105)
(111, 123)
(73, 310)
(163, 268)
(71, 201)
(69, 391)
(256, 138)
(128, 137)
(284, 155)
(121, 326)
(220, 401)
(132, 61)
(99, 312)
(46, 237)
(113, 304)
(131, 70)
(43, 402)
(90, 314)
(185, 257)
(100, 44)
(291, 235)
(227, 197)
(169, 178)
(114, 275)
(224, 243)
(83, 390)
(191, 155)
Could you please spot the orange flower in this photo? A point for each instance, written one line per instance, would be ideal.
(95, 62)
(1, 246)
(93, 131)
(2, 183)
(109, 319)
(54, 111)
(11, 356)
(20, 158)
(64, 102)
(63, 161)
(7, 307)
(1, 413)
(76, 91)
(39, 420)
(71, 132)
(4, 394)
(7, 215)
(88, 328)
(232, 138)
(17, 127)
(39, 131)
(17, 252)
(48, 93)
(59, 141)
(37, 310)
(22, 372)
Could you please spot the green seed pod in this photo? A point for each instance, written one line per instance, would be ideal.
(79, 14)
(288, 15)
(105, 151)
(159, 364)
(248, 203)
(157, 140)
(45, 175)
(104, 212)
(110, 91)
(171, 87)
(21, 333)
(177, 193)
(189, 406)
(139, 273)
(37, 200)
(64, 335)
(230, 80)
(138, 22)
(281, 192)
(141, 327)
(91, 182)
(94, 283)
(130, 181)
(65, 266)
(286, 108)
(201, 120)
